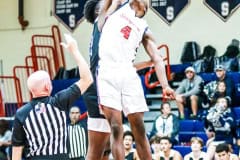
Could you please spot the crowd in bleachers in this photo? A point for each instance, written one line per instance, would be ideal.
(206, 121)
(208, 103)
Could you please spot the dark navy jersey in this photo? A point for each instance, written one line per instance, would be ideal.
(130, 156)
(40, 125)
(90, 95)
(91, 100)
(93, 50)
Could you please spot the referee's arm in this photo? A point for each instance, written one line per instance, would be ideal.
(85, 73)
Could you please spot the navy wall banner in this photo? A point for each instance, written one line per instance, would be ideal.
(168, 10)
(69, 12)
(223, 8)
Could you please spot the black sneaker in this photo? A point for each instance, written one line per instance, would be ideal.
(192, 116)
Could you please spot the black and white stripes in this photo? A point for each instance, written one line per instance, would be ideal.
(46, 131)
(77, 141)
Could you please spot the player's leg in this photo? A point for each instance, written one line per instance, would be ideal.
(107, 150)
(97, 143)
(138, 130)
(134, 106)
(98, 127)
(115, 119)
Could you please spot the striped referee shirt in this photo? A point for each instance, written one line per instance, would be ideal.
(77, 140)
(40, 125)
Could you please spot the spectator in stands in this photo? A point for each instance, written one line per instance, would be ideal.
(166, 151)
(130, 152)
(210, 101)
(220, 92)
(156, 147)
(196, 147)
(40, 126)
(166, 124)
(5, 139)
(188, 93)
(223, 152)
(77, 135)
(211, 88)
(218, 125)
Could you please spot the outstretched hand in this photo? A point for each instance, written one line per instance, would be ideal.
(168, 93)
(71, 43)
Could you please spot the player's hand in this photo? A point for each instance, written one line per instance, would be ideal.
(169, 93)
(71, 43)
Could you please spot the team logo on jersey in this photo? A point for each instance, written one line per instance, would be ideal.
(223, 8)
(168, 10)
(40, 108)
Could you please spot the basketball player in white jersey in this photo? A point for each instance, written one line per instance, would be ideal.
(119, 86)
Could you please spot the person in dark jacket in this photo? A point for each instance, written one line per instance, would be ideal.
(219, 124)
(166, 124)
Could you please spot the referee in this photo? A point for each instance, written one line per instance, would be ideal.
(77, 133)
(40, 126)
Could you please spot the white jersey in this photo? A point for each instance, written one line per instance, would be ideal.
(202, 156)
(121, 36)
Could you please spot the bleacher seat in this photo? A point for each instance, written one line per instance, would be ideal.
(235, 76)
(203, 136)
(191, 125)
(191, 128)
(150, 116)
(183, 149)
(185, 137)
(186, 125)
(179, 68)
(208, 77)
(236, 112)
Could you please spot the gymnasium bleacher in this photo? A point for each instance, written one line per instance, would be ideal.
(188, 128)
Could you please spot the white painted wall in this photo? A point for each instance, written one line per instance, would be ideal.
(196, 22)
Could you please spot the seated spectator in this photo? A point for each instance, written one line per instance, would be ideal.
(220, 92)
(156, 147)
(166, 124)
(5, 139)
(130, 152)
(188, 93)
(223, 153)
(211, 87)
(218, 125)
(166, 151)
(197, 153)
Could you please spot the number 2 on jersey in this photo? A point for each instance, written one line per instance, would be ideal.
(126, 31)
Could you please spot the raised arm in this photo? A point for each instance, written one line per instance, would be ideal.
(108, 7)
(151, 49)
(85, 74)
